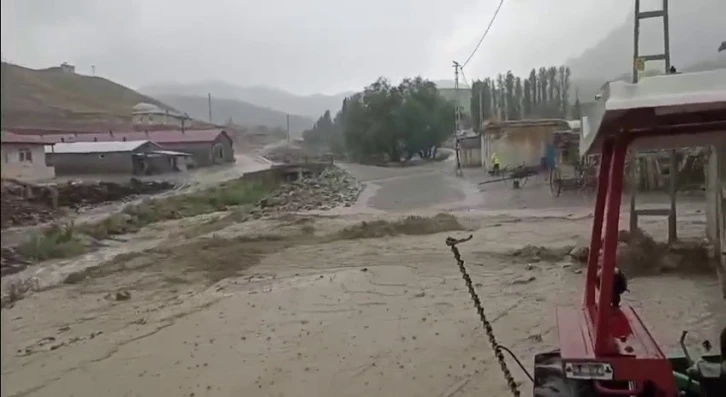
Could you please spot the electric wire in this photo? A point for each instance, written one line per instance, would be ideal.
(491, 22)
(463, 76)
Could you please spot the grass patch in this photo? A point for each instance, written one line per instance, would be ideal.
(56, 242)
(221, 198)
(66, 241)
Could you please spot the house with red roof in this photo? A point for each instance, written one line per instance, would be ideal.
(23, 158)
(206, 147)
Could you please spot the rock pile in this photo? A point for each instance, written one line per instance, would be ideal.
(332, 188)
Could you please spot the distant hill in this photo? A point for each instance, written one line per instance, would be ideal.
(263, 96)
(54, 99)
(240, 112)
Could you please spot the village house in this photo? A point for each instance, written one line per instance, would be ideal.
(141, 157)
(206, 147)
(23, 158)
(516, 142)
(149, 114)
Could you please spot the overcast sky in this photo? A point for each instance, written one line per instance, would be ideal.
(302, 46)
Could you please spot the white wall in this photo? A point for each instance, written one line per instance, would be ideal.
(32, 169)
(513, 153)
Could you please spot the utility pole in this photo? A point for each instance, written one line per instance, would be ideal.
(484, 150)
(457, 119)
(288, 129)
(639, 66)
(209, 107)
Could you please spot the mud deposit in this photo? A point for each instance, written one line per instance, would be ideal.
(317, 305)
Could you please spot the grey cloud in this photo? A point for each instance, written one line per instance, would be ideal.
(300, 46)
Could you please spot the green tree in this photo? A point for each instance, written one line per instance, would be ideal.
(387, 122)
(518, 98)
(534, 94)
(527, 99)
(510, 100)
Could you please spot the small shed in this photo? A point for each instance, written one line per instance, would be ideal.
(470, 148)
(140, 157)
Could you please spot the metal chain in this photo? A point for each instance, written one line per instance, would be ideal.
(452, 242)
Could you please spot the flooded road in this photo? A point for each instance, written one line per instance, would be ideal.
(313, 311)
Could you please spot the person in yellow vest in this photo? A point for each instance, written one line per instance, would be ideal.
(495, 163)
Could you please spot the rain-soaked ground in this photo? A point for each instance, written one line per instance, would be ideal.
(302, 306)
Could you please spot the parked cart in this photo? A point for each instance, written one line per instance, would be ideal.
(518, 175)
(571, 172)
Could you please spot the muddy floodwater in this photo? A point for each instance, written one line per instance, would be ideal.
(361, 302)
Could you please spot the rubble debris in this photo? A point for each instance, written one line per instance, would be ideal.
(75, 277)
(638, 254)
(11, 261)
(580, 252)
(79, 195)
(25, 204)
(122, 295)
(534, 253)
(332, 188)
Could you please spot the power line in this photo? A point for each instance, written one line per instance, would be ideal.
(491, 22)
(463, 76)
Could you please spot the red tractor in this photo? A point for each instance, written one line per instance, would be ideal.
(605, 348)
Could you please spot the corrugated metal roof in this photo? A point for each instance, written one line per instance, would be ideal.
(675, 94)
(95, 147)
(9, 137)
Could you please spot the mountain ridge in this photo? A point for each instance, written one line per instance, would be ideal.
(238, 112)
(259, 95)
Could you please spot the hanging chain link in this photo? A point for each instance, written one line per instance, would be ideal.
(452, 242)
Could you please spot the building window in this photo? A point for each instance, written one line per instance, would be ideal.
(25, 155)
(151, 119)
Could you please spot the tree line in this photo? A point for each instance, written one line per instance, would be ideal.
(387, 122)
(545, 93)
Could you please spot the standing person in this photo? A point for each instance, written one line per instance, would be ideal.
(495, 163)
